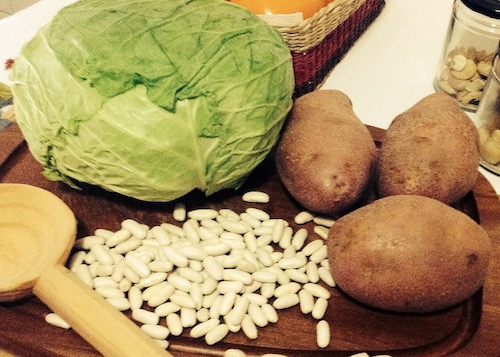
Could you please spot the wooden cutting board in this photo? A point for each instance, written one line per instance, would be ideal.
(354, 328)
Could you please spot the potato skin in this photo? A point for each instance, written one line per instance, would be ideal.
(408, 253)
(432, 149)
(326, 156)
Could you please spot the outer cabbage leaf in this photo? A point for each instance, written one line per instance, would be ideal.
(153, 98)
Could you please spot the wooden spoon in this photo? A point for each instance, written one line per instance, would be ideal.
(37, 232)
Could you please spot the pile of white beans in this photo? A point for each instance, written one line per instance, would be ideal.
(216, 272)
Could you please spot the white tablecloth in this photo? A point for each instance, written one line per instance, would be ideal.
(389, 69)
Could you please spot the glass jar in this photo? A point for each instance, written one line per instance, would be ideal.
(487, 120)
(470, 46)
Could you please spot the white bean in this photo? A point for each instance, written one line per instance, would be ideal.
(312, 247)
(228, 213)
(105, 233)
(105, 270)
(247, 267)
(263, 230)
(191, 275)
(217, 249)
(83, 273)
(135, 298)
(303, 217)
(179, 282)
(306, 302)
(118, 237)
(158, 294)
(56, 320)
(265, 276)
(278, 229)
(233, 352)
(188, 317)
(131, 275)
(239, 310)
(264, 257)
(76, 260)
(319, 308)
(248, 327)
(294, 262)
(202, 314)
(145, 317)
(110, 292)
(251, 220)
(286, 289)
(214, 312)
(124, 285)
(161, 266)
(183, 299)
(179, 212)
(173, 229)
(299, 238)
(255, 197)
(174, 257)
(237, 275)
(128, 245)
(156, 331)
(255, 298)
(267, 289)
(190, 228)
(326, 276)
(203, 328)
(297, 275)
(120, 303)
(174, 324)
(257, 315)
(226, 286)
(153, 279)
(100, 281)
(227, 303)
(161, 235)
(324, 221)
(216, 334)
(321, 231)
(323, 334)
(213, 268)
(167, 309)
(234, 226)
(202, 214)
(312, 272)
(319, 255)
(137, 265)
(270, 312)
(286, 301)
(261, 215)
(317, 290)
(138, 230)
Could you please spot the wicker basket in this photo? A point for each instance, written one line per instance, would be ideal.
(318, 43)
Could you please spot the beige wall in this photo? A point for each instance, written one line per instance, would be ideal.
(8, 7)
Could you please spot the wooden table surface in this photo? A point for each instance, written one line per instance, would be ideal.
(23, 331)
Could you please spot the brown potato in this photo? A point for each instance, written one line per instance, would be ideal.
(408, 253)
(326, 155)
(432, 149)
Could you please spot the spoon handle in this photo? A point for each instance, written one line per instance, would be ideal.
(105, 328)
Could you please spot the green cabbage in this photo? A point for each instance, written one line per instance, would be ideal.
(153, 98)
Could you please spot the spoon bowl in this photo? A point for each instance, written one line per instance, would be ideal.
(37, 233)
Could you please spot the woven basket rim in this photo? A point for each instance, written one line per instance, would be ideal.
(311, 31)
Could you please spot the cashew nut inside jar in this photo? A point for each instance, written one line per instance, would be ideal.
(488, 121)
(470, 46)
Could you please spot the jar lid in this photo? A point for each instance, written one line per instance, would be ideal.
(490, 8)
